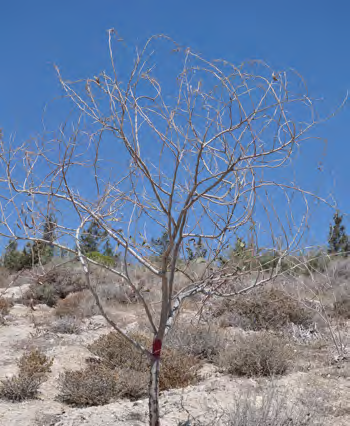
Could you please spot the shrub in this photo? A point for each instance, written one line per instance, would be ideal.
(95, 385)
(5, 306)
(41, 293)
(33, 368)
(315, 262)
(56, 284)
(4, 277)
(200, 341)
(81, 305)
(66, 325)
(115, 292)
(268, 409)
(34, 363)
(20, 388)
(177, 369)
(257, 355)
(341, 306)
(101, 258)
(266, 308)
(116, 352)
(132, 384)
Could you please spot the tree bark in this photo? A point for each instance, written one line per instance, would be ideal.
(154, 384)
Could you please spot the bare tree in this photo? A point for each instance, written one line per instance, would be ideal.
(177, 145)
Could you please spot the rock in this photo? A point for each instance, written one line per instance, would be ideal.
(15, 294)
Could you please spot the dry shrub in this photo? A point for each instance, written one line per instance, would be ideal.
(116, 292)
(341, 306)
(132, 384)
(20, 388)
(4, 277)
(95, 385)
(260, 354)
(55, 284)
(35, 363)
(263, 309)
(66, 325)
(80, 305)
(199, 341)
(33, 369)
(5, 306)
(116, 352)
(177, 369)
(268, 409)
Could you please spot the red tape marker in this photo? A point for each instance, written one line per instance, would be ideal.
(157, 347)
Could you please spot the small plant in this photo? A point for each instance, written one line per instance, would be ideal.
(66, 325)
(33, 369)
(257, 355)
(5, 306)
(95, 385)
(34, 363)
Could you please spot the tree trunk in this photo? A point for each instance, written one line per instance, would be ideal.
(154, 384)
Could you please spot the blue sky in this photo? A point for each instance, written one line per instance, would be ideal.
(310, 36)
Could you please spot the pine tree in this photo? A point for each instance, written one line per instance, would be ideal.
(12, 257)
(160, 244)
(107, 249)
(91, 239)
(338, 241)
(49, 234)
(198, 252)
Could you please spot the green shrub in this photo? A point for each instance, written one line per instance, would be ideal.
(256, 355)
(101, 258)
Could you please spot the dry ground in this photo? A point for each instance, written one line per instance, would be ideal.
(314, 380)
